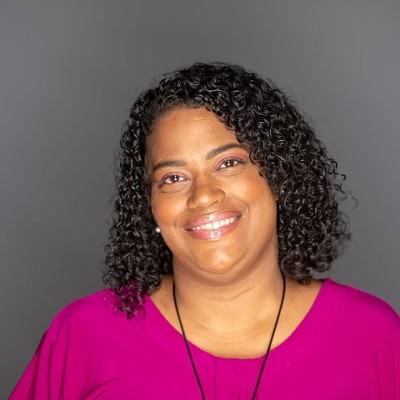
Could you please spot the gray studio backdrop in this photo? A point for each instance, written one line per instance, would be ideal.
(69, 72)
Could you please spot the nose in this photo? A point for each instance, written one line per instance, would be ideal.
(204, 193)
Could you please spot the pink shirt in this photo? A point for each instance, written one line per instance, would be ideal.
(347, 347)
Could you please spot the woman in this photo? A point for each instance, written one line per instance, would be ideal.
(227, 208)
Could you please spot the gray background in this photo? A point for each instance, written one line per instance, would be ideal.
(69, 72)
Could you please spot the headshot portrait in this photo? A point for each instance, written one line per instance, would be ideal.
(226, 242)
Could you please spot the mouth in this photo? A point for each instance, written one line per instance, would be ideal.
(213, 226)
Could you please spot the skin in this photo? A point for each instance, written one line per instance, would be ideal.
(226, 275)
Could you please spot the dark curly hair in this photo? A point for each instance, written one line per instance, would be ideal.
(311, 227)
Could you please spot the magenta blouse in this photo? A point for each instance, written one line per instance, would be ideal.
(347, 347)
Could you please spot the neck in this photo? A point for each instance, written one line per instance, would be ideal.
(232, 306)
(229, 299)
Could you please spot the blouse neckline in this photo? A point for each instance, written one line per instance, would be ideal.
(310, 331)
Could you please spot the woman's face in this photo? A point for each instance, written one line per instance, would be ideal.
(216, 213)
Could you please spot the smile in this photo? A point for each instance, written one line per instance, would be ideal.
(215, 225)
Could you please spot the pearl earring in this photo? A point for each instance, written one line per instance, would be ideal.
(158, 230)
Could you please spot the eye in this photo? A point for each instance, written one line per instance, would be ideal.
(170, 179)
(230, 162)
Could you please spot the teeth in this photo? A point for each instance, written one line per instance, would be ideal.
(214, 225)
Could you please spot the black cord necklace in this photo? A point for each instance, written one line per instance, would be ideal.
(265, 355)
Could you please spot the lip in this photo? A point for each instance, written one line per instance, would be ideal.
(219, 223)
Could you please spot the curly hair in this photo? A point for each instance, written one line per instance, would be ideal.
(311, 227)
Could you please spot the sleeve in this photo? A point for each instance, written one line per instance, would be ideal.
(42, 377)
(387, 358)
(59, 369)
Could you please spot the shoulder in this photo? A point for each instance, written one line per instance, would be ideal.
(93, 303)
(358, 307)
(87, 314)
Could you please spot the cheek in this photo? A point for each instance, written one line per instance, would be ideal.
(255, 189)
(166, 214)
(158, 211)
(260, 199)
(165, 211)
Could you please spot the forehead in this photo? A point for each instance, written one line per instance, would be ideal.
(188, 119)
(187, 132)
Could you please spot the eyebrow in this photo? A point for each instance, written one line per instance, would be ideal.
(209, 155)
